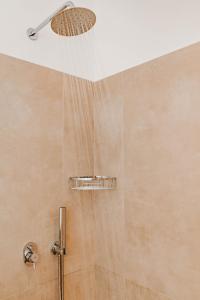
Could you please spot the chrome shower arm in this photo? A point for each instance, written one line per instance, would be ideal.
(32, 33)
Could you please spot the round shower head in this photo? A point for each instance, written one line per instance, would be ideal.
(73, 21)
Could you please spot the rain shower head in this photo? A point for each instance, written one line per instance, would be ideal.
(73, 21)
(68, 20)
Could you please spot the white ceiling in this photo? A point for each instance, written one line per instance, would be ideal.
(127, 33)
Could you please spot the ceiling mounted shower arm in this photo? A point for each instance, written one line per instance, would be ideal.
(33, 32)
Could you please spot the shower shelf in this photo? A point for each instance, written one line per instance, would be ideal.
(86, 183)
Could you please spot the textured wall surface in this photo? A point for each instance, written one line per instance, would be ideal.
(147, 124)
(138, 242)
(45, 136)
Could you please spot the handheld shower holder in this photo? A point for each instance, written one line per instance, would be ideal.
(57, 250)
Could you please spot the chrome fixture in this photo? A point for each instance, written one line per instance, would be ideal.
(30, 254)
(59, 249)
(68, 20)
(33, 32)
(93, 183)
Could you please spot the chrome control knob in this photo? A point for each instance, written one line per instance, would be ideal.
(30, 254)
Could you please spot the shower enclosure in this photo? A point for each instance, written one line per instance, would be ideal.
(102, 171)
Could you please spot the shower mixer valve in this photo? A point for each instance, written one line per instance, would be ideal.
(30, 254)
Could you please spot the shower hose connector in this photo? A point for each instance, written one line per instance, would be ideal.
(57, 250)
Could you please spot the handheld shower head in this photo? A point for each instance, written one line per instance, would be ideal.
(68, 20)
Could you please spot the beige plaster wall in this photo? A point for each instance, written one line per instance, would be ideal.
(139, 242)
(147, 133)
(45, 136)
